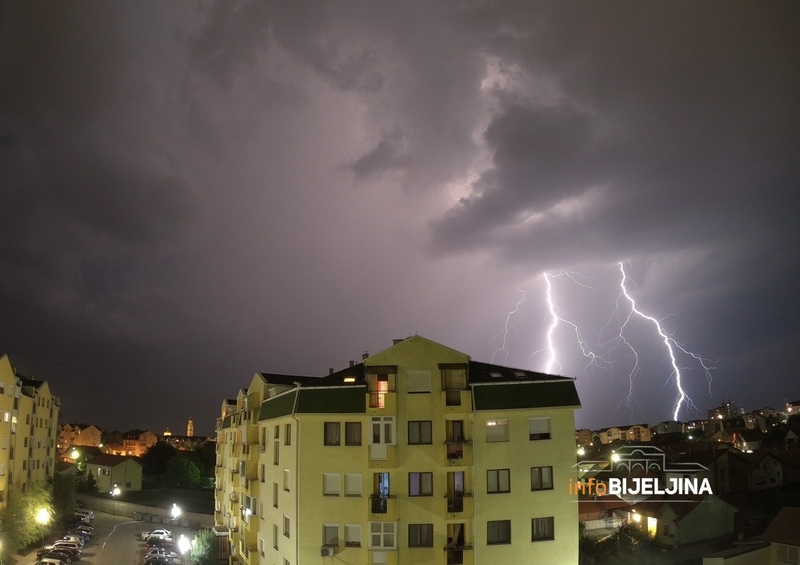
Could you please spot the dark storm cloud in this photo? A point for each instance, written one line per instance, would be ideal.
(681, 120)
(196, 191)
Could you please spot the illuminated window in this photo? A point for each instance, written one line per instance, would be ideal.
(497, 430)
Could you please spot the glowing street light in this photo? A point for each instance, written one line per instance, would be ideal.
(184, 544)
(176, 511)
(43, 516)
(114, 494)
(75, 453)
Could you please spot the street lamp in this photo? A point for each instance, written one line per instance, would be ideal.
(43, 516)
(176, 511)
(114, 495)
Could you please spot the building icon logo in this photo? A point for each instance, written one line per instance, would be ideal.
(652, 474)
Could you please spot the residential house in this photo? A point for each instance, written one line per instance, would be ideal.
(610, 435)
(748, 439)
(683, 519)
(418, 454)
(110, 471)
(583, 437)
(70, 435)
(137, 442)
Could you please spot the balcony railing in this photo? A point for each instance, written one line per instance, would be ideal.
(455, 555)
(452, 397)
(379, 504)
(455, 448)
(455, 501)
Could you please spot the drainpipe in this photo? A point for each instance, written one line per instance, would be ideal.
(474, 490)
(297, 471)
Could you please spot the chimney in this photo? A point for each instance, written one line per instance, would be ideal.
(395, 341)
(364, 355)
(330, 370)
(352, 362)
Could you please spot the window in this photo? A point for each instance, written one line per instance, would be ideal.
(420, 433)
(352, 484)
(383, 430)
(498, 531)
(277, 431)
(497, 430)
(274, 495)
(541, 478)
(332, 430)
(262, 473)
(287, 526)
(352, 535)
(539, 428)
(420, 484)
(498, 480)
(286, 476)
(420, 535)
(382, 535)
(352, 433)
(330, 534)
(276, 456)
(542, 529)
(275, 536)
(330, 484)
(419, 381)
(787, 554)
(287, 437)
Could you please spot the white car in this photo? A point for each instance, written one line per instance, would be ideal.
(158, 533)
(87, 513)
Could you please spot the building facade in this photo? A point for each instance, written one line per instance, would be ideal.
(416, 455)
(70, 435)
(28, 430)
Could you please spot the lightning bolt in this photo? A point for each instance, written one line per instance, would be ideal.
(599, 357)
(504, 332)
(557, 317)
(670, 344)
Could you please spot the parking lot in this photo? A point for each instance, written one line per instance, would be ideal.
(115, 541)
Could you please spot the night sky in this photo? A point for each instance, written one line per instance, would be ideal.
(193, 192)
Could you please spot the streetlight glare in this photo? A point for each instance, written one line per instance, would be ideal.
(43, 516)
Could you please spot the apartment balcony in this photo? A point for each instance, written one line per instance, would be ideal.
(250, 487)
(250, 470)
(383, 403)
(458, 452)
(460, 555)
(459, 505)
(456, 401)
(382, 508)
(250, 433)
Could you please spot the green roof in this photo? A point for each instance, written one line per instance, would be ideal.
(528, 395)
(278, 406)
(352, 400)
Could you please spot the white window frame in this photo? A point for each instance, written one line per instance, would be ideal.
(326, 541)
(352, 535)
(539, 428)
(353, 484)
(384, 533)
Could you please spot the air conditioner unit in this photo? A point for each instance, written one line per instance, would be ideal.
(326, 551)
(262, 448)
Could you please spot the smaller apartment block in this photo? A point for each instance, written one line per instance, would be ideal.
(416, 455)
(28, 428)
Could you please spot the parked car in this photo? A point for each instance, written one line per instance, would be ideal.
(63, 554)
(69, 544)
(161, 560)
(160, 551)
(88, 513)
(49, 561)
(79, 503)
(74, 537)
(156, 542)
(76, 553)
(88, 531)
(158, 533)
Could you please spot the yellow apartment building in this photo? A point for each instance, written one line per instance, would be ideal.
(28, 428)
(87, 435)
(415, 455)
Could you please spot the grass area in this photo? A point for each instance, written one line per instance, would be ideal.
(190, 500)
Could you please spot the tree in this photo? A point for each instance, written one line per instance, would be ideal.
(158, 456)
(63, 495)
(182, 472)
(206, 456)
(203, 548)
(91, 484)
(21, 521)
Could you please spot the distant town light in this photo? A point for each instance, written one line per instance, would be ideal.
(581, 451)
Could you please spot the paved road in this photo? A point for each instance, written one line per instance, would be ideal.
(115, 542)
